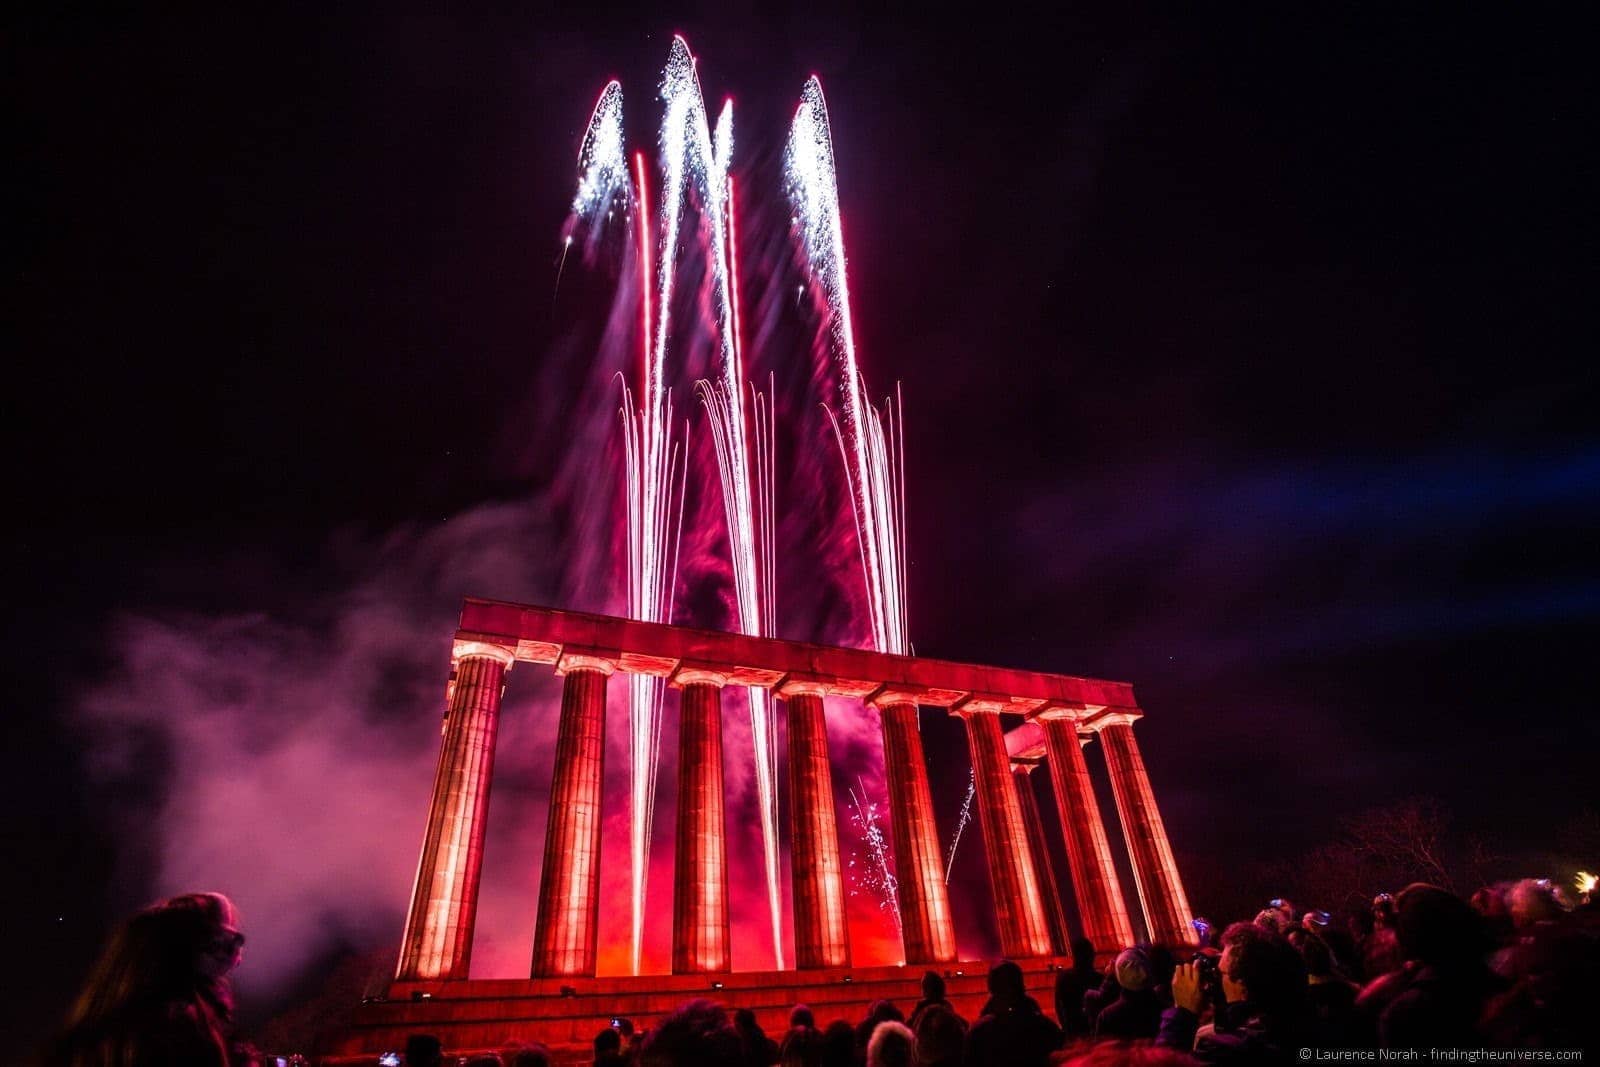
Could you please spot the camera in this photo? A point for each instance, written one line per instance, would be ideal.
(616, 1022)
(1209, 964)
(389, 1059)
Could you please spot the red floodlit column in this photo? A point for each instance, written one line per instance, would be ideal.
(821, 937)
(926, 930)
(1166, 908)
(566, 933)
(444, 899)
(700, 881)
(1101, 910)
(1023, 930)
(1044, 872)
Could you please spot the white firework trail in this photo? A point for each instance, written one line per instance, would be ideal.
(602, 159)
(655, 473)
(869, 439)
(874, 874)
(692, 155)
(961, 825)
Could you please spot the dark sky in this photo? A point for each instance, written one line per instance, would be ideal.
(1244, 360)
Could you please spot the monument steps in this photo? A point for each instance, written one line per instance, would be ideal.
(478, 1015)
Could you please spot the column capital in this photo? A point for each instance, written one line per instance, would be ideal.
(1112, 717)
(1026, 766)
(697, 676)
(977, 704)
(1066, 710)
(467, 649)
(584, 661)
(886, 696)
(800, 687)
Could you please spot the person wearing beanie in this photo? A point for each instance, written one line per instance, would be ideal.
(1136, 1013)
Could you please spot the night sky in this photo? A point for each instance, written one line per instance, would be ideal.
(1245, 361)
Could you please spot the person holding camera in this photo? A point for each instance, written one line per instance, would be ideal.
(1257, 996)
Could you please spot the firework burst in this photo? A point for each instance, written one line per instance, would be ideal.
(869, 868)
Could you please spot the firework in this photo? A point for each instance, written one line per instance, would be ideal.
(871, 872)
(654, 465)
(869, 439)
(961, 825)
(692, 159)
(692, 156)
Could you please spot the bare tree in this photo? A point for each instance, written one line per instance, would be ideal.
(1406, 837)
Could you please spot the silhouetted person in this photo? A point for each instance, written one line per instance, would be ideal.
(1136, 1013)
(891, 1045)
(801, 1016)
(1262, 1018)
(933, 993)
(608, 1048)
(881, 1011)
(802, 1047)
(1330, 999)
(160, 992)
(1012, 1031)
(1438, 996)
(1121, 1054)
(1101, 996)
(839, 1044)
(696, 1035)
(1072, 984)
(1550, 1001)
(424, 1050)
(756, 1049)
(532, 1054)
(1380, 949)
(941, 1036)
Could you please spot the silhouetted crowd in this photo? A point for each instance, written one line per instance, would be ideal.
(1517, 965)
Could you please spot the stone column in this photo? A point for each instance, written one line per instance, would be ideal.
(566, 933)
(1044, 871)
(1101, 910)
(821, 935)
(926, 931)
(1166, 908)
(444, 898)
(1023, 930)
(700, 880)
